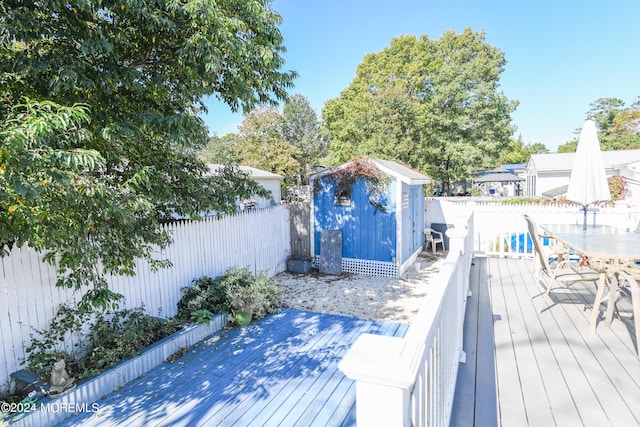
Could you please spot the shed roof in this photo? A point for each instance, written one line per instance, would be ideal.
(400, 172)
(513, 166)
(498, 177)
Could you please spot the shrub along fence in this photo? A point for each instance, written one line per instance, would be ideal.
(259, 240)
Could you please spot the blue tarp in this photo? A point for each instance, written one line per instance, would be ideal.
(517, 243)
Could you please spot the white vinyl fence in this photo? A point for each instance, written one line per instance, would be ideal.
(259, 240)
(500, 229)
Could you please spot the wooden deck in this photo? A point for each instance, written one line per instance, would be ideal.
(278, 371)
(522, 368)
(530, 369)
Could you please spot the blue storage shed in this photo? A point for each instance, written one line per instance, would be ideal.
(378, 205)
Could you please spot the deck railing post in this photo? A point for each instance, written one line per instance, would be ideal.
(458, 244)
(385, 370)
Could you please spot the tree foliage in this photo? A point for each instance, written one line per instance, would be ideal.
(433, 104)
(220, 150)
(618, 125)
(518, 152)
(287, 143)
(99, 120)
(302, 130)
(260, 143)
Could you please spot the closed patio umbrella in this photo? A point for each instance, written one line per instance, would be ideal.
(588, 182)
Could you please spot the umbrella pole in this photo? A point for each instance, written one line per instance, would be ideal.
(584, 220)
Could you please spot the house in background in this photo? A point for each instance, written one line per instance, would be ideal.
(270, 181)
(506, 181)
(548, 174)
(381, 226)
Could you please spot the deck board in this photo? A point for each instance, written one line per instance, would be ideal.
(511, 404)
(463, 411)
(550, 370)
(523, 368)
(486, 409)
(281, 370)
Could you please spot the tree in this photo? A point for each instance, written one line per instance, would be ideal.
(382, 125)
(618, 126)
(221, 150)
(302, 130)
(446, 114)
(604, 111)
(625, 132)
(100, 125)
(260, 143)
(519, 153)
(568, 147)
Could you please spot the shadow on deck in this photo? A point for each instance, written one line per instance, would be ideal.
(522, 368)
(281, 370)
(530, 369)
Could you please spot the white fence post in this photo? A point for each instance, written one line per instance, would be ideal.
(457, 237)
(457, 243)
(385, 370)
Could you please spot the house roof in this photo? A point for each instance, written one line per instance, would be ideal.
(513, 166)
(254, 173)
(401, 172)
(558, 162)
(555, 192)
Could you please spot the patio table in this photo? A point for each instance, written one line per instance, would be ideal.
(599, 242)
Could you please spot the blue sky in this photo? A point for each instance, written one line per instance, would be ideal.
(561, 55)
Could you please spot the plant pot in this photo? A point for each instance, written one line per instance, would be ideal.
(243, 317)
(299, 265)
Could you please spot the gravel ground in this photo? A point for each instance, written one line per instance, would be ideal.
(396, 300)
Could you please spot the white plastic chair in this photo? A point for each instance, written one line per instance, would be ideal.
(433, 237)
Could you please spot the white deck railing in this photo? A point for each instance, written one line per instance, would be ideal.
(410, 381)
(501, 231)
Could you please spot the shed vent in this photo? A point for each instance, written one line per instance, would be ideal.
(365, 267)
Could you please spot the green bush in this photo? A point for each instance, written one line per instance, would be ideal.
(101, 340)
(236, 290)
(120, 335)
(259, 294)
(200, 302)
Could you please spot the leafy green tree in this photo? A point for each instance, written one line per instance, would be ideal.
(625, 132)
(568, 147)
(99, 121)
(302, 130)
(221, 150)
(518, 152)
(604, 112)
(382, 125)
(618, 125)
(260, 143)
(443, 111)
